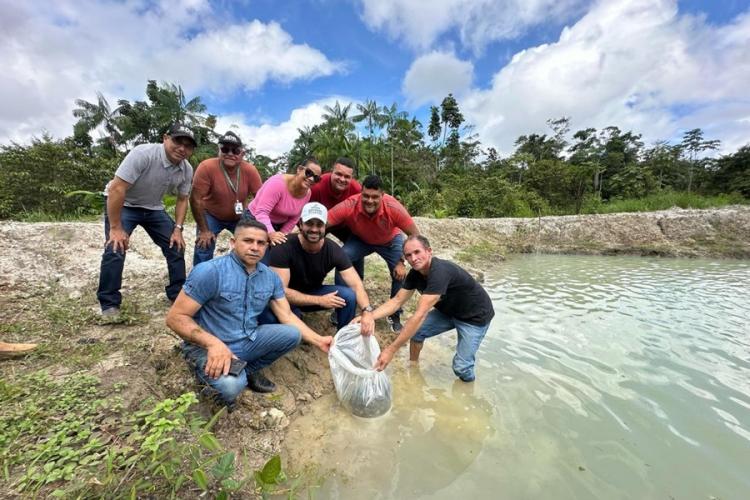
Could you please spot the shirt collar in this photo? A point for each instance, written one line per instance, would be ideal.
(259, 267)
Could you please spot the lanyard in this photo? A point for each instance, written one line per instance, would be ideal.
(226, 176)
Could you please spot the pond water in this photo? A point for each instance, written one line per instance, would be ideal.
(600, 377)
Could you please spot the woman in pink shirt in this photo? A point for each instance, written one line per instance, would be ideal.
(278, 204)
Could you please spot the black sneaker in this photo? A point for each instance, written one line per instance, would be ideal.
(257, 382)
(394, 321)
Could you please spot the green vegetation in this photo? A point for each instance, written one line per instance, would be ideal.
(445, 172)
(70, 438)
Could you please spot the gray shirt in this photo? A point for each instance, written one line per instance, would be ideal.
(151, 175)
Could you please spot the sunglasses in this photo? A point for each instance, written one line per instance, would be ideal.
(310, 174)
(235, 150)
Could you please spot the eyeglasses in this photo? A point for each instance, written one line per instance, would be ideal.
(310, 174)
(235, 150)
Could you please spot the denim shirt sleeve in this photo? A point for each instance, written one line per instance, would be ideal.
(278, 286)
(203, 283)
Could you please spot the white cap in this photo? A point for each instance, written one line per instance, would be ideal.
(314, 210)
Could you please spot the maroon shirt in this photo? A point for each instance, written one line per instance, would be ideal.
(323, 193)
(210, 185)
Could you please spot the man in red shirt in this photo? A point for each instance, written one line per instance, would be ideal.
(376, 221)
(220, 190)
(334, 187)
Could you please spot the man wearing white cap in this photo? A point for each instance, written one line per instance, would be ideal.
(304, 261)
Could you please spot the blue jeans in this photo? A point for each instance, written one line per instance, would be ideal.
(271, 342)
(216, 226)
(344, 315)
(357, 250)
(469, 338)
(159, 226)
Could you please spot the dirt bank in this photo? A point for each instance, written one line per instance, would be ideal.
(49, 272)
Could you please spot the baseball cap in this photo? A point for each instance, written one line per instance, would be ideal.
(230, 138)
(314, 210)
(180, 130)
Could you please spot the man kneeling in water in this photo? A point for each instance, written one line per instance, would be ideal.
(450, 299)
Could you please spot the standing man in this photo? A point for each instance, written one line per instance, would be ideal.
(303, 263)
(335, 187)
(220, 190)
(376, 221)
(458, 300)
(133, 198)
(217, 315)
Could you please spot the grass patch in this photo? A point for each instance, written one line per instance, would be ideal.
(483, 251)
(663, 201)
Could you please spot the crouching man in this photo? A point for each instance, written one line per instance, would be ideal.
(216, 313)
(450, 299)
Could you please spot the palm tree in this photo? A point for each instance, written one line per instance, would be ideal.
(91, 116)
(391, 115)
(370, 112)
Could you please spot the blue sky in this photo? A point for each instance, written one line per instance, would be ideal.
(266, 68)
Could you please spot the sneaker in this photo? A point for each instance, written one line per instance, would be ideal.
(394, 321)
(110, 312)
(257, 382)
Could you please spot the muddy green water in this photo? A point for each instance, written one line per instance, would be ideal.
(601, 377)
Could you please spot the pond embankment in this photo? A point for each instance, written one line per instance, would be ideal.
(49, 273)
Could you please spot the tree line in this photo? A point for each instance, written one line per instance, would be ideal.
(443, 171)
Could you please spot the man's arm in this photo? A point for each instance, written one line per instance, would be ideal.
(180, 210)
(205, 236)
(426, 302)
(328, 301)
(280, 308)
(393, 304)
(352, 280)
(118, 238)
(180, 320)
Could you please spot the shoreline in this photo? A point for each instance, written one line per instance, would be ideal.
(46, 268)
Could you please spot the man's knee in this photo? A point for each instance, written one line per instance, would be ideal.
(347, 294)
(229, 387)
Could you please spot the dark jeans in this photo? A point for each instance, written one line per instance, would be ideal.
(216, 226)
(159, 226)
(343, 315)
(357, 250)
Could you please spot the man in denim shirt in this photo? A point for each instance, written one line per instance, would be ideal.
(216, 313)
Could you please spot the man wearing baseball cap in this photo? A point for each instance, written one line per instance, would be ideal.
(134, 198)
(303, 262)
(221, 187)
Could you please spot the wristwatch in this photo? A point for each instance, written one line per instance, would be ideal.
(179, 226)
(368, 309)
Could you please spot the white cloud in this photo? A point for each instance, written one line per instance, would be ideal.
(55, 52)
(636, 64)
(432, 76)
(274, 140)
(420, 23)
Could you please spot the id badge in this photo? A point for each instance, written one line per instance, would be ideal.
(238, 208)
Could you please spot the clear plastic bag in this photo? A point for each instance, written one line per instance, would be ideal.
(364, 391)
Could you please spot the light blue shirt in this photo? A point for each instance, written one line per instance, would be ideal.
(231, 298)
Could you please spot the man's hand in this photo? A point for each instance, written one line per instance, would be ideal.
(332, 301)
(399, 271)
(177, 240)
(205, 238)
(277, 238)
(219, 359)
(368, 323)
(386, 355)
(324, 343)
(119, 240)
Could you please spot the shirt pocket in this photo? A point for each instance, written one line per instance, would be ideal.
(261, 298)
(233, 298)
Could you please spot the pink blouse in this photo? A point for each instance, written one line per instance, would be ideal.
(274, 204)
